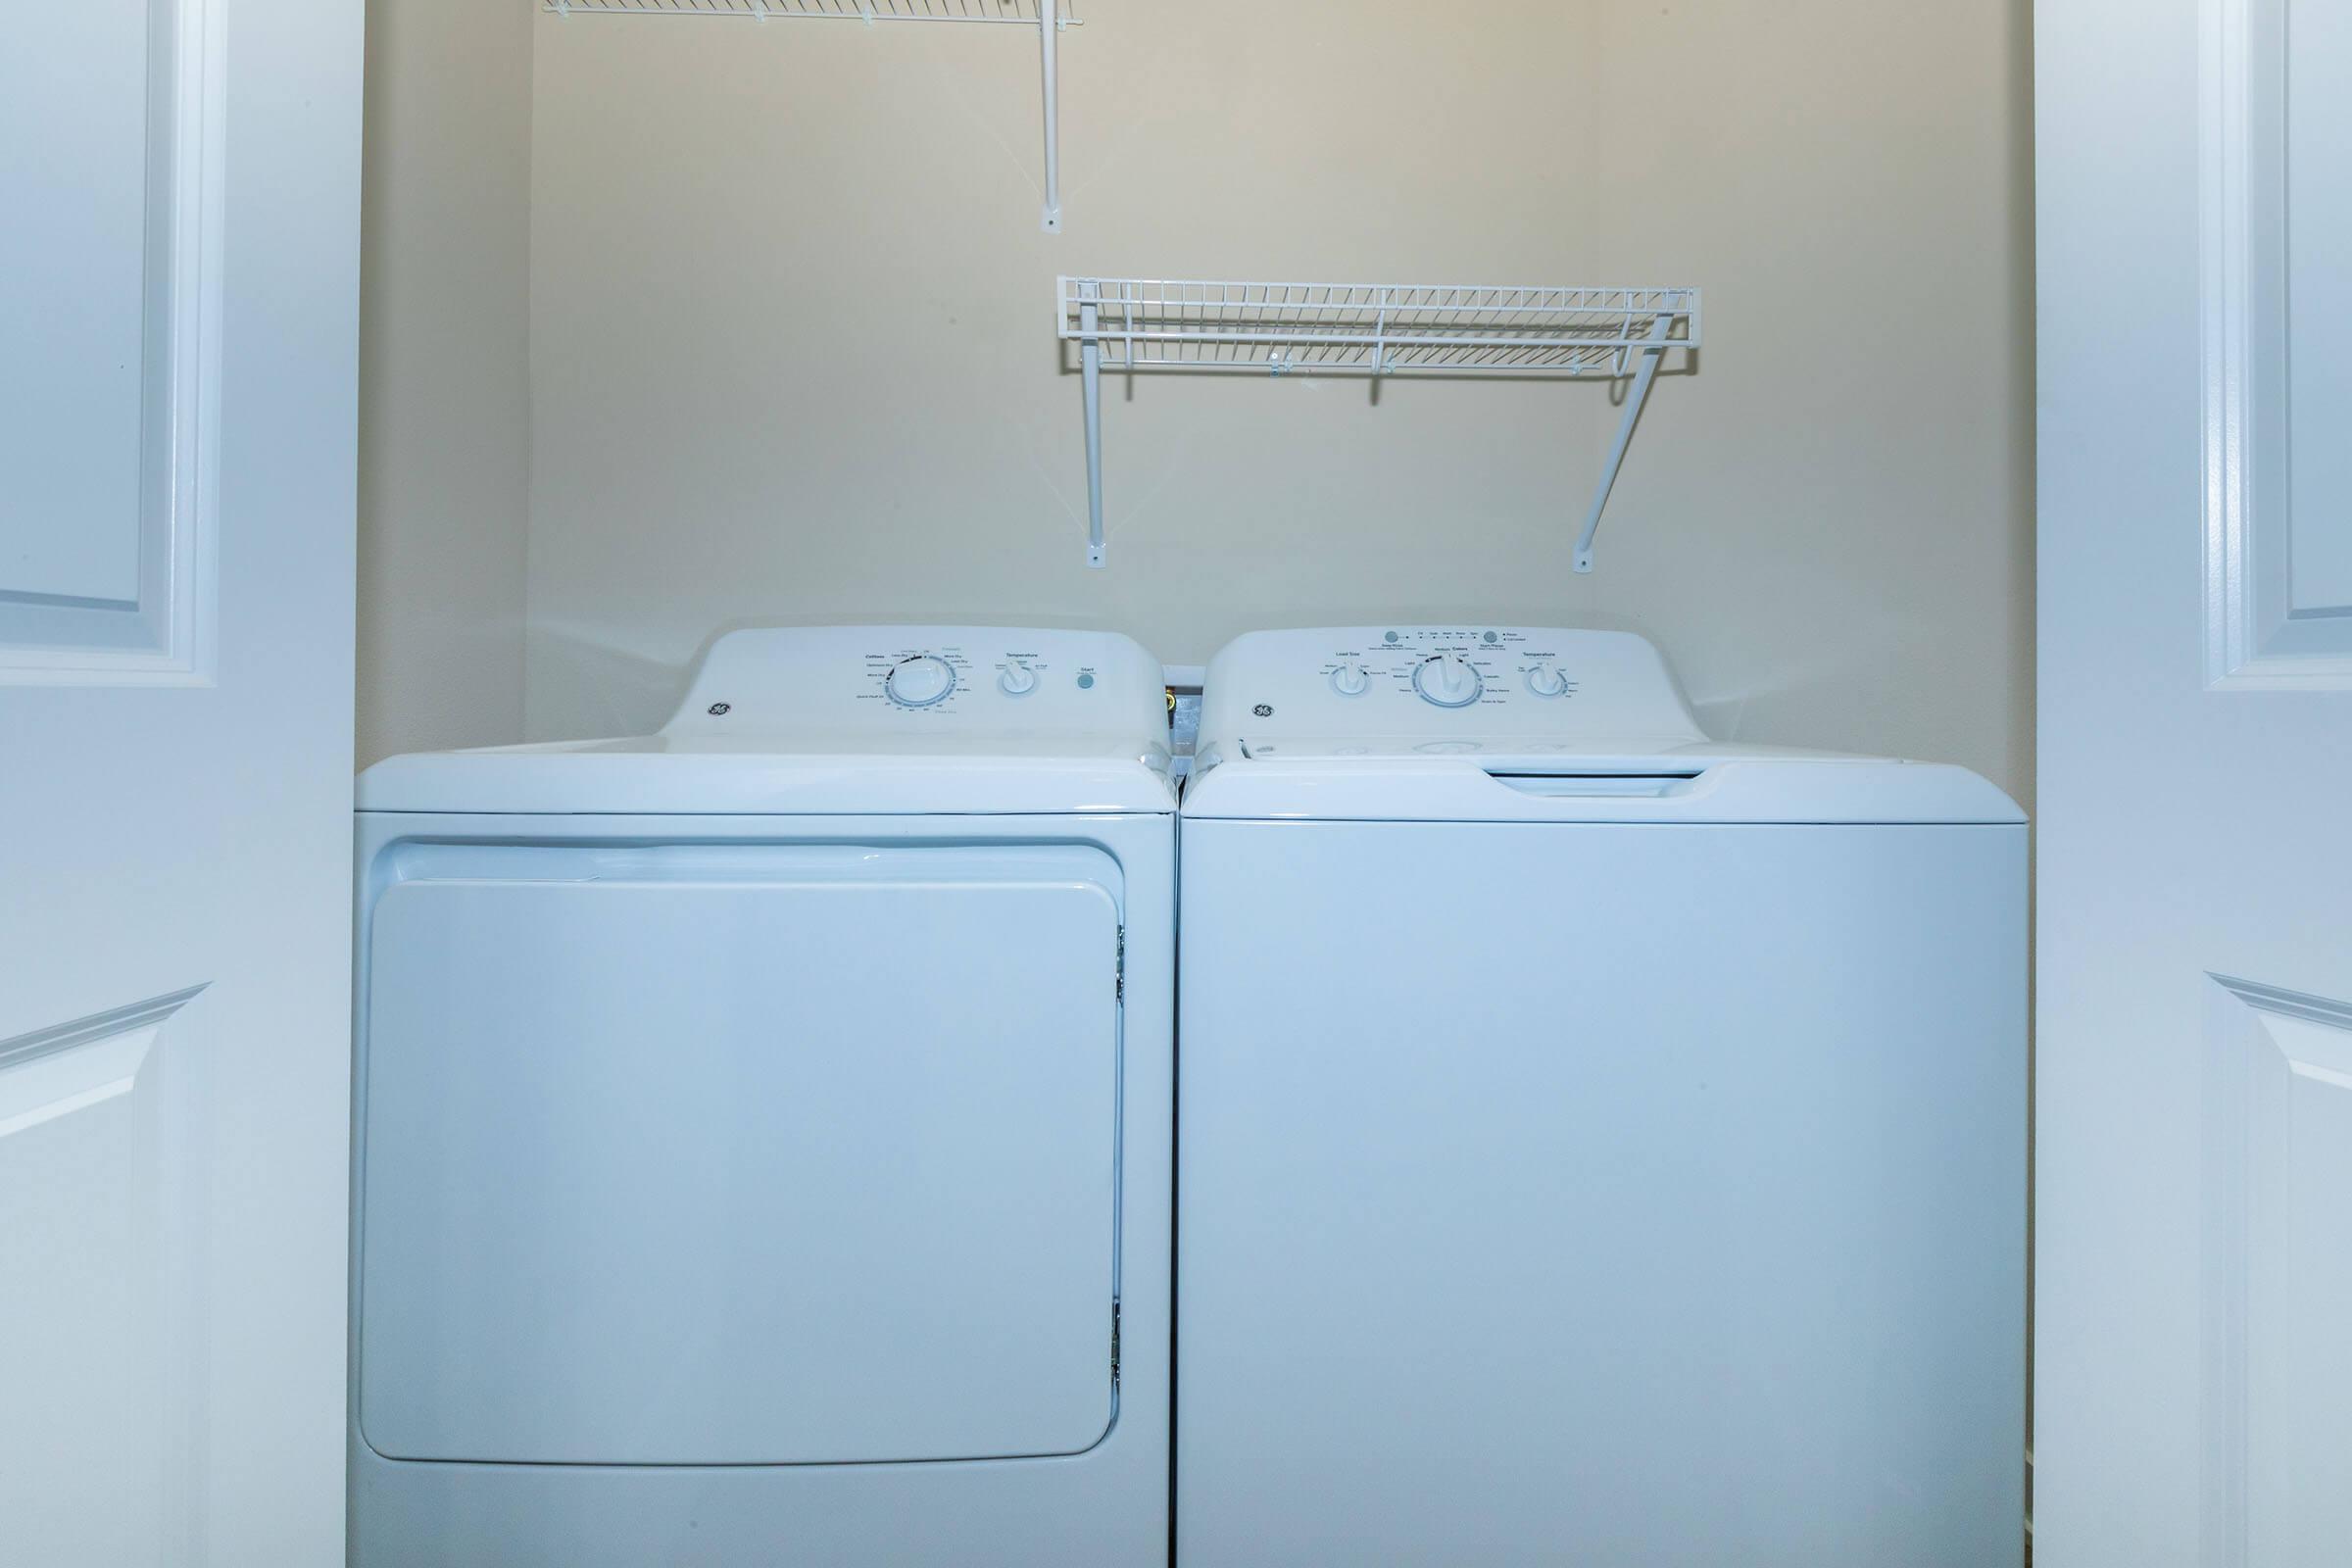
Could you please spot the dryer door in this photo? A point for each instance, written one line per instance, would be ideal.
(738, 1154)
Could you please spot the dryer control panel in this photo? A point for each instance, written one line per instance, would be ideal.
(948, 685)
(1433, 684)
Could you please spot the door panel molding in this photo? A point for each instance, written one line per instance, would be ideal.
(160, 637)
(47, 1073)
(105, 1178)
(2276, 1271)
(2257, 637)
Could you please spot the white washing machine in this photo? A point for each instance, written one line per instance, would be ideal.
(1597, 1145)
(763, 1126)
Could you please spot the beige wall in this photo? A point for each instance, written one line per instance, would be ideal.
(792, 354)
(445, 393)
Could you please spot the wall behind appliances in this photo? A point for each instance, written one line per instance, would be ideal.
(792, 358)
(445, 374)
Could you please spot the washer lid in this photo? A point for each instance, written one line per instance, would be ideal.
(1703, 783)
(847, 720)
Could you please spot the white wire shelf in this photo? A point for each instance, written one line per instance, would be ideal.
(1371, 329)
(1017, 13)
(1047, 16)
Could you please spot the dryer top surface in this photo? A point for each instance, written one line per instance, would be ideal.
(847, 720)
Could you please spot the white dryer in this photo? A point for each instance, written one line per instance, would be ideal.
(1597, 1145)
(763, 1126)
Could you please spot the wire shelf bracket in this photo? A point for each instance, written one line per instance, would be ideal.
(1372, 330)
(1047, 16)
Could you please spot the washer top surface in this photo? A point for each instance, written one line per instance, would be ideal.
(859, 721)
(1500, 723)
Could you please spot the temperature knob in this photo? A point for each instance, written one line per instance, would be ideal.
(1547, 680)
(1017, 680)
(1351, 680)
(920, 682)
(1448, 681)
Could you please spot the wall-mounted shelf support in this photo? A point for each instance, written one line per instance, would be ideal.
(1372, 330)
(1089, 360)
(1047, 16)
(1049, 28)
(1660, 331)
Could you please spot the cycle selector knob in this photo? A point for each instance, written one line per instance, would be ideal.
(1351, 680)
(923, 681)
(1547, 680)
(1447, 682)
(1017, 680)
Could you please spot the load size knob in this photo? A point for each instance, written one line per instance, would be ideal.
(1447, 682)
(1350, 680)
(923, 681)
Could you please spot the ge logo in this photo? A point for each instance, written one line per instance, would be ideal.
(1263, 709)
(721, 710)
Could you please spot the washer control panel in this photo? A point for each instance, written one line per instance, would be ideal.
(938, 683)
(1434, 685)
(1448, 667)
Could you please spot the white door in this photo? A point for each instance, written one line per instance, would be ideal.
(179, 288)
(2194, 1349)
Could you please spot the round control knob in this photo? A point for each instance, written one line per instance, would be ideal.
(1547, 680)
(1448, 680)
(1017, 680)
(1351, 680)
(920, 682)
